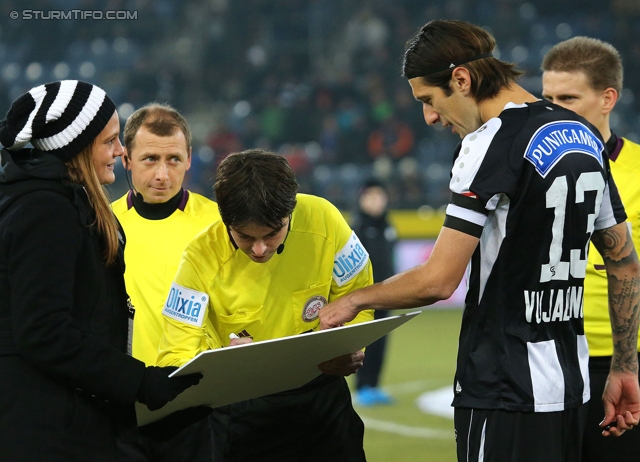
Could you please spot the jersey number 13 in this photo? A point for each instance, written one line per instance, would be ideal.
(557, 269)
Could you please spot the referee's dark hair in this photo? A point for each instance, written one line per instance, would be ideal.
(442, 45)
(255, 186)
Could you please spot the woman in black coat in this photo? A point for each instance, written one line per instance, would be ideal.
(68, 386)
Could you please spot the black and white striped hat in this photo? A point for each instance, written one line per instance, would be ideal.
(61, 118)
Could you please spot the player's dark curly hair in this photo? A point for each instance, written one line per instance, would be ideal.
(439, 43)
(255, 186)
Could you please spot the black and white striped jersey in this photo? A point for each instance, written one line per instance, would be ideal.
(533, 184)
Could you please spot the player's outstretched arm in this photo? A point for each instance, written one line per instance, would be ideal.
(434, 280)
(622, 393)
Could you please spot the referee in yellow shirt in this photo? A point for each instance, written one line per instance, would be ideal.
(585, 75)
(159, 218)
(264, 272)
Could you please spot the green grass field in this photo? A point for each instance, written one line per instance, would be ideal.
(420, 357)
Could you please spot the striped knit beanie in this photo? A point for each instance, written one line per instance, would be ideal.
(61, 118)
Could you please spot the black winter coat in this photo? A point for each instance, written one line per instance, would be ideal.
(379, 238)
(67, 386)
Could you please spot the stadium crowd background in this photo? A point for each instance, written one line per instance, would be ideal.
(316, 80)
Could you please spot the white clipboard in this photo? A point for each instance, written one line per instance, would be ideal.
(242, 372)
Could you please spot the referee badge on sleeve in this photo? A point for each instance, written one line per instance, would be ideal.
(186, 305)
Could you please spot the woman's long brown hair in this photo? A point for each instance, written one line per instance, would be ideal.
(82, 172)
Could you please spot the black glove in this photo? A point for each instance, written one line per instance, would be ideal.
(157, 388)
(169, 426)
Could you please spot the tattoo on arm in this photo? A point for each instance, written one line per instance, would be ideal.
(623, 271)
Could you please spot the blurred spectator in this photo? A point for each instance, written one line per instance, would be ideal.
(223, 141)
(330, 140)
(272, 121)
(353, 143)
(393, 139)
(366, 32)
(371, 225)
(296, 68)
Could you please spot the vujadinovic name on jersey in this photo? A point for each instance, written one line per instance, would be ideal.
(553, 305)
(553, 140)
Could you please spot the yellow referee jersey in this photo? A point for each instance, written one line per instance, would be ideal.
(219, 290)
(625, 168)
(152, 255)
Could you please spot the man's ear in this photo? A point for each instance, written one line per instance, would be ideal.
(126, 160)
(461, 79)
(609, 99)
(189, 159)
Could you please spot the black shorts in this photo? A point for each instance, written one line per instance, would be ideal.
(313, 423)
(485, 435)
